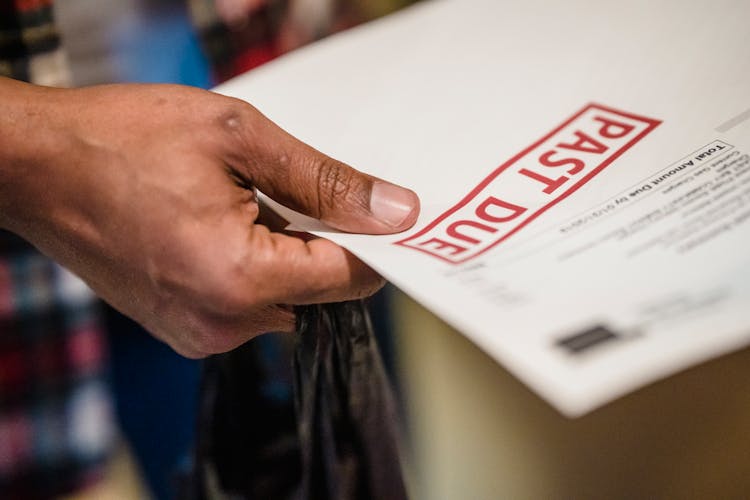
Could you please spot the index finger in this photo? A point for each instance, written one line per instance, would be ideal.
(308, 272)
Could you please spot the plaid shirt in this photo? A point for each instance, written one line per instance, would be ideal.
(29, 45)
(55, 411)
(55, 408)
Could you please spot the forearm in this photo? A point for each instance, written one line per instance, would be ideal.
(30, 144)
(146, 192)
(41, 153)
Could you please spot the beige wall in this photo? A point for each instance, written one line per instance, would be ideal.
(479, 434)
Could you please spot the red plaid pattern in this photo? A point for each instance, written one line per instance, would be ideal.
(55, 422)
(55, 409)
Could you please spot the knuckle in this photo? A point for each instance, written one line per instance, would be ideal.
(235, 115)
(190, 351)
(212, 336)
(337, 184)
(371, 287)
(233, 297)
(215, 335)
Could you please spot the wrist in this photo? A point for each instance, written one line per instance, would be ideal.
(30, 141)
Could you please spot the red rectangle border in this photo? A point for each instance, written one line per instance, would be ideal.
(650, 123)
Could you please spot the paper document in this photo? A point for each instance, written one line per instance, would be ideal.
(583, 166)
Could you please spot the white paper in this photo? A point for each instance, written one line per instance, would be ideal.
(635, 265)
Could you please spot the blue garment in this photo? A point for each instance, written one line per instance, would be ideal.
(159, 45)
(156, 390)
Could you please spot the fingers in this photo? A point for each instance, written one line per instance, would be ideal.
(259, 269)
(269, 218)
(215, 334)
(304, 179)
(280, 270)
(324, 270)
(265, 269)
(308, 272)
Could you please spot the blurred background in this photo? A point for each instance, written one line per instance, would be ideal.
(199, 43)
(471, 429)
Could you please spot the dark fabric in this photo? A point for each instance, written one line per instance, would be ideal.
(345, 410)
(256, 449)
(247, 443)
(343, 442)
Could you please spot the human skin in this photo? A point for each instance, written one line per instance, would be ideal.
(147, 192)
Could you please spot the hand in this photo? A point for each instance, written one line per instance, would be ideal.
(147, 193)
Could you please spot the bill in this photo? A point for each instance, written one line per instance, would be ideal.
(584, 171)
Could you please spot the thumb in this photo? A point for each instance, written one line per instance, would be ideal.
(304, 179)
